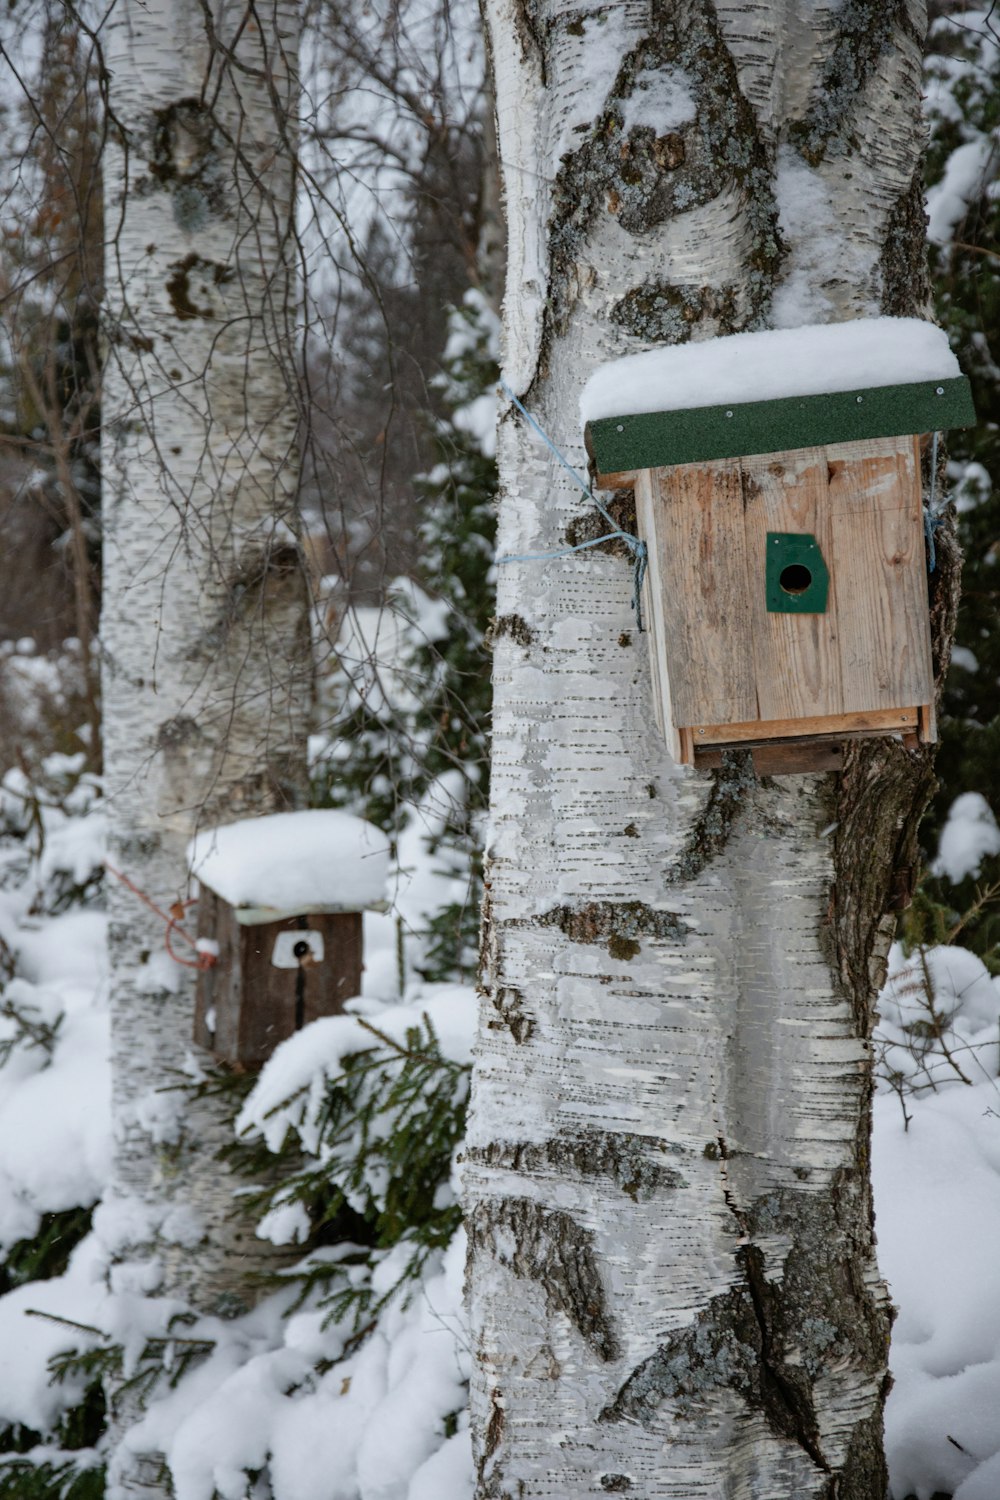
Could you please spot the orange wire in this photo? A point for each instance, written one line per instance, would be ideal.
(204, 960)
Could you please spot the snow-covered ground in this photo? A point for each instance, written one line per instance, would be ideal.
(290, 1389)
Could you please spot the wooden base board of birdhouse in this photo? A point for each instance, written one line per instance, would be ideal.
(779, 757)
(783, 747)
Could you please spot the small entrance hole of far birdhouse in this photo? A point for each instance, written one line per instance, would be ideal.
(290, 948)
(795, 579)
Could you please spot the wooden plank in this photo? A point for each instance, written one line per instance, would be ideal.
(881, 721)
(652, 607)
(700, 548)
(879, 576)
(927, 724)
(271, 1000)
(782, 757)
(625, 480)
(796, 656)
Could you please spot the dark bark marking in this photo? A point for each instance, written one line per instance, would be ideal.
(494, 1427)
(720, 1349)
(591, 525)
(183, 141)
(179, 731)
(553, 1250)
(866, 31)
(732, 785)
(185, 161)
(627, 1160)
(906, 291)
(646, 179)
(882, 792)
(516, 626)
(617, 924)
(528, 33)
(269, 577)
(179, 285)
(615, 1484)
(508, 1003)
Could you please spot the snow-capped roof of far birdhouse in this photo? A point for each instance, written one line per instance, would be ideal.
(772, 391)
(293, 863)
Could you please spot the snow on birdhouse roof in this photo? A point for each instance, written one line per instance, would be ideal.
(772, 390)
(267, 868)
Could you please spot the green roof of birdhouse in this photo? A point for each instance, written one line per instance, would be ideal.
(834, 383)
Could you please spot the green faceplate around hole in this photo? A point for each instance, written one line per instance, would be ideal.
(797, 578)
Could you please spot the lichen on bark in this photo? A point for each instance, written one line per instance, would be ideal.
(618, 925)
(866, 31)
(644, 179)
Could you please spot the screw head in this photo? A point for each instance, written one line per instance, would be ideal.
(939, 391)
(728, 413)
(619, 428)
(859, 399)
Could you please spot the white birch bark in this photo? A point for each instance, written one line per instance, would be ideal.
(672, 1277)
(204, 627)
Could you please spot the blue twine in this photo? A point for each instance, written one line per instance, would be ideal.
(931, 518)
(635, 546)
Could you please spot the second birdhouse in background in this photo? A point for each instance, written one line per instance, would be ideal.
(280, 925)
(778, 490)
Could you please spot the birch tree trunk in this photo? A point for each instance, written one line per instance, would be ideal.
(204, 630)
(672, 1272)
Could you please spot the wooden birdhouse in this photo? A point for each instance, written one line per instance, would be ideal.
(778, 491)
(280, 925)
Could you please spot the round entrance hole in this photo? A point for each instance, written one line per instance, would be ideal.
(795, 579)
(301, 948)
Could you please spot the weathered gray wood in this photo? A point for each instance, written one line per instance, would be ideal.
(879, 575)
(652, 595)
(877, 721)
(700, 547)
(729, 669)
(796, 660)
(254, 1004)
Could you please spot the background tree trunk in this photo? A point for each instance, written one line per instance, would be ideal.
(205, 623)
(672, 1275)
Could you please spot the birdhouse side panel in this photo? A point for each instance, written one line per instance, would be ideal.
(796, 655)
(880, 573)
(700, 544)
(218, 988)
(652, 608)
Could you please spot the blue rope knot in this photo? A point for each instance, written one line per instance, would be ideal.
(637, 547)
